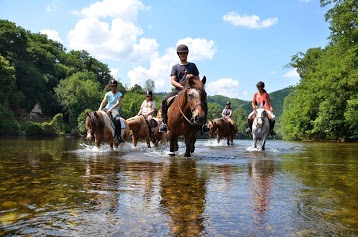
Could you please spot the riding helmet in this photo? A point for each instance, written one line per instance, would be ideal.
(228, 103)
(260, 84)
(182, 48)
(112, 83)
(148, 93)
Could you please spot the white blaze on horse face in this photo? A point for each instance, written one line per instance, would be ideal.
(194, 96)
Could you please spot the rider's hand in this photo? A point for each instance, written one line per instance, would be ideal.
(188, 76)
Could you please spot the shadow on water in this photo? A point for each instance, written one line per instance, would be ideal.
(65, 187)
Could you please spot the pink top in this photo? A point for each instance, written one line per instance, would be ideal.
(261, 98)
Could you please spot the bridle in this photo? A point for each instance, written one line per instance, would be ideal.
(192, 108)
(260, 117)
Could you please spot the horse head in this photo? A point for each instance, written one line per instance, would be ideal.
(260, 114)
(94, 124)
(196, 98)
(212, 128)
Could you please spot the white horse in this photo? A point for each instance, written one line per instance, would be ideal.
(260, 126)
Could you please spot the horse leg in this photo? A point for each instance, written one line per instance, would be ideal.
(188, 143)
(218, 138)
(148, 141)
(135, 140)
(255, 142)
(228, 141)
(263, 143)
(192, 147)
(176, 147)
(173, 143)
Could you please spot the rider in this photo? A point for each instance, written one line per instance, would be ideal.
(113, 98)
(227, 113)
(259, 98)
(179, 73)
(148, 106)
(147, 109)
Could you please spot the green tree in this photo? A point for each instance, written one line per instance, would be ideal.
(7, 80)
(149, 85)
(77, 93)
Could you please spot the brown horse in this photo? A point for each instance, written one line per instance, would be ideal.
(140, 130)
(222, 128)
(187, 114)
(101, 129)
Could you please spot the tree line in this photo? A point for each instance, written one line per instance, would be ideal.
(324, 105)
(38, 70)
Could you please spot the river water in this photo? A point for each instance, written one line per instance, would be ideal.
(65, 187)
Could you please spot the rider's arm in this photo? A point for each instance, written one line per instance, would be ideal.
(104, 101)
(269, 102)
(253, 102)
(175, 83)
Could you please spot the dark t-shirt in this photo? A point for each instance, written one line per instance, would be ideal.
(180, 71)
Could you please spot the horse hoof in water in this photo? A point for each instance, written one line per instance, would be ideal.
(171, 153)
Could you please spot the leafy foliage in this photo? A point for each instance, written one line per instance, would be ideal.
(324, 104)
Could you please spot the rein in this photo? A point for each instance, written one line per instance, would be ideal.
(192, 108)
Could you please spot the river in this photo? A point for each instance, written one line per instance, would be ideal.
(65, 187)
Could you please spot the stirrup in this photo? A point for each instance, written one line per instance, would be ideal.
(273, 133)
(163, 128)
(205, 129)
(248, 130)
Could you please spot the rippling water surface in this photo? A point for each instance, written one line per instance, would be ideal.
(65, 187)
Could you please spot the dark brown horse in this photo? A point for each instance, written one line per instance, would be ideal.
(140, 130)
(187, 114)
(100, 129)
(222, 128)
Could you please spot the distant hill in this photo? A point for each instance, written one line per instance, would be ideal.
(277, 99)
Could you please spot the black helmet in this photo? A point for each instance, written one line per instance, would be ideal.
(228, 103)
(112, 83)
(148, 93)
(182, 48)
(260, 84)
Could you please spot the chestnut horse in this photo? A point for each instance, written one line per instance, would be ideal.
(187, 114)
(222, 128)
(140, 130)
(101, 129)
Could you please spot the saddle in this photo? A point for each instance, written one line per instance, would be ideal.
(170, 100)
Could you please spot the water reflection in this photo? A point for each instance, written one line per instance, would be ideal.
(55, 188)
(261, 170)
(183, 191)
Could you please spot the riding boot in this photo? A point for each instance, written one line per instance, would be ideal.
(272, 125)
(204, 129)
(163, 127)
(248, 130)
(118, 129)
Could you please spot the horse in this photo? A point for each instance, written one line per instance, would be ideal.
(260, 126)
(101, 129)
(140, 130)
(187, 114)
(222, 128)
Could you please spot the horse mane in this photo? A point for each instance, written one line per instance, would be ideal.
(195, 83)
(96, 121)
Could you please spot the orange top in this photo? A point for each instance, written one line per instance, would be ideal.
(261, 98)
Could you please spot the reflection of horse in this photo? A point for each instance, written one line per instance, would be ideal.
(100, 128)
(187, 114)
(222, 128)
(260, 126)
(140, 130)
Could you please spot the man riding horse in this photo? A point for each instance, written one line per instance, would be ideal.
(262, 97)
(113, 98)
(179, 73)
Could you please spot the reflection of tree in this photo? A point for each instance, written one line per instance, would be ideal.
(183, 197)
(261, 171)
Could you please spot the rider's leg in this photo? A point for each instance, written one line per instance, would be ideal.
(118, 128)
(163, 127)
(272, 123)
(249, 122)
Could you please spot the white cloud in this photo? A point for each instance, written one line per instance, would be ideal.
(305, 1)
(291, 74)
(160, 66)
(114, 72)
(52, 6)
(52, 34)
(252, 22)
(116, 37)
(126, 9)
(224, 86)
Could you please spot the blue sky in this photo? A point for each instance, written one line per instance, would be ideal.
(234, 43)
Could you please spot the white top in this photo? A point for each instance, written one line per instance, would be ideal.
(148, 106)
